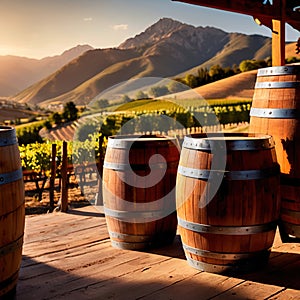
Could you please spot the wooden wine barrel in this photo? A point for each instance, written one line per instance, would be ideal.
(12, 212)
(276, 111)
(233, 229)
(139, 176)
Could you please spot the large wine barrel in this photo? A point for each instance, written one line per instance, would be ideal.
(139, 176)
(276, 111)
(233, 229)
(12, 212)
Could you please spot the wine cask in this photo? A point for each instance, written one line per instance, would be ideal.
(139, 176)
(12, 212)
(232, 229)
(276, 111)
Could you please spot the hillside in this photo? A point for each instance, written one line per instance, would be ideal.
(17, 73)
(165, 49)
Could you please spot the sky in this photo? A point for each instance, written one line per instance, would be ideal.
(40, 28)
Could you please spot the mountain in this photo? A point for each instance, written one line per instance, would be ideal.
(165, 49)
(17, 73)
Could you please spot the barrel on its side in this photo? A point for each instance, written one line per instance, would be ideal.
(233, 229)
(276, 111)
(12, 211)
(139, 177)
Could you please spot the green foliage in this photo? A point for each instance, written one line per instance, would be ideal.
(29, 134)
(141, 95)
(157, 91)
(47, 124)
(37, 156)
(70, 112)
(101, 103)
(248, 65)
(175, 86)
(56, 118)
(126, 98)
(291, 60)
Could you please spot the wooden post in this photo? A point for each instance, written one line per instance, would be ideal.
(64, 178)
(278, 36)
(99, 198)
(52, 176)
(278, 43)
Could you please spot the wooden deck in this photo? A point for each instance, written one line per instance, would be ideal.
(69, 256)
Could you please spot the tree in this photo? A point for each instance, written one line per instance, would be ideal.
(216, 72)
(101, 103)
(47, 124)
(157, 91)
(141, 95)
(191, 81)
(70, 112)
(248, 65)
(126, 98)
(176, 86)
(57, 118)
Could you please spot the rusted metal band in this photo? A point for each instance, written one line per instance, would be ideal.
(117, 142)
(207, 144)
(7, 136)
(274, 113)
(130, 238)
(139, 167)
(225, 256)
(277, 84)
(227, 230)
(243, 266)
(229, 175)
(11, 247)
(280, 70)
(11, 177)
(130, 242)
(127, 216)
(130, 246)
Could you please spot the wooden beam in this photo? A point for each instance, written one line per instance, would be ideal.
(278, 43)
(254, 8)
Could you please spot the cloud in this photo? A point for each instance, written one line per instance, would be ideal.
(120, 27)
(88, 19)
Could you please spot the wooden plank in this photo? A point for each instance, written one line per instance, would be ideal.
(201, 286)
(249, 290)
(76, 261)
(287, 294)
(61, 282)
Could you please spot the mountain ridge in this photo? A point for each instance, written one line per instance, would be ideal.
(165, 49)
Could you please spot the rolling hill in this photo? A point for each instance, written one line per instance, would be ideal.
(17, 73)
(165, 49)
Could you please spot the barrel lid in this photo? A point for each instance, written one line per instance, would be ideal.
(7, 136)
(232, 141)
(126, 141)
(279, 70)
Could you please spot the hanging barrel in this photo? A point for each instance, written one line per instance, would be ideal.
(139, 176)
(12, 212)
(276, 111)
(233, 229)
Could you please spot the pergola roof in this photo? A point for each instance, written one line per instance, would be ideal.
(283, 10)
(271, 13)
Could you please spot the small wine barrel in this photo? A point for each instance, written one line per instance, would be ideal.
(233, 229)
(12, 211)
(276, 111)
(139, 176)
